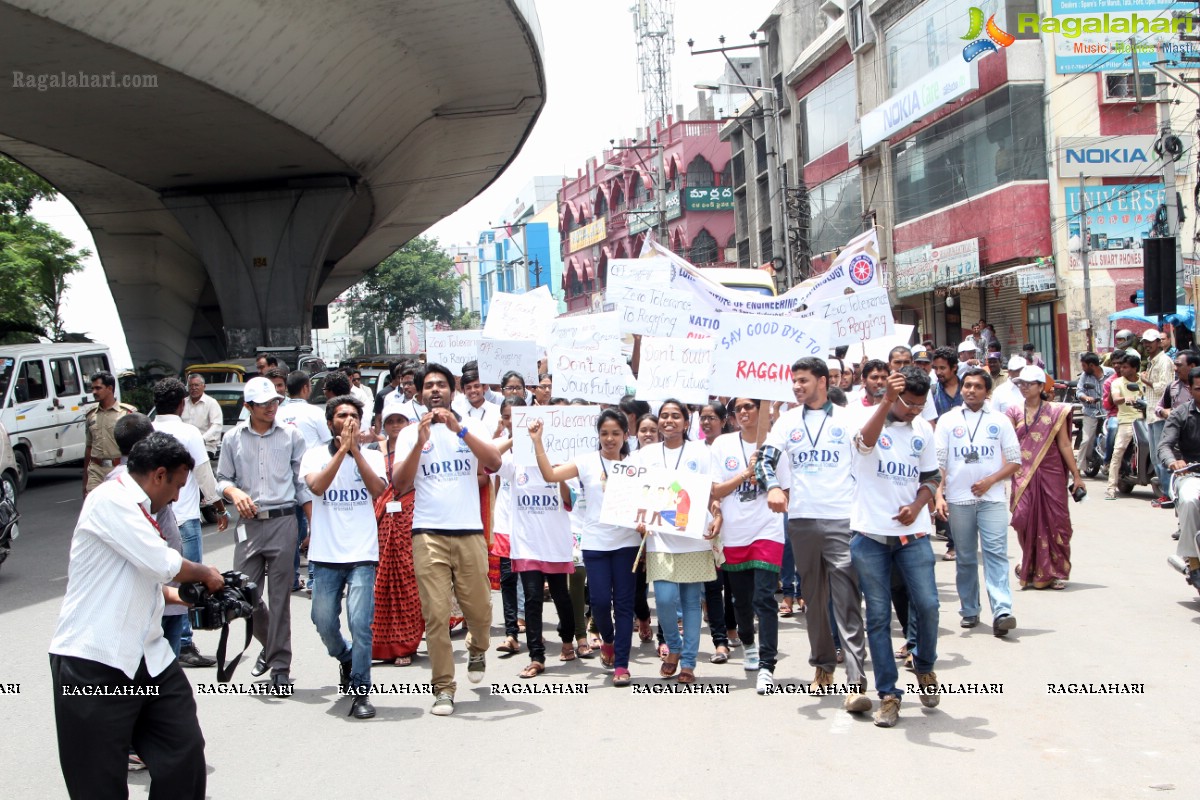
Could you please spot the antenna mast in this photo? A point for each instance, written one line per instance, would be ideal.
(654, 26)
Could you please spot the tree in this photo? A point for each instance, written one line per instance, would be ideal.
(35, 260)
(418, 281)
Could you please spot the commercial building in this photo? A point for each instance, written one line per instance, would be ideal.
(679, 183)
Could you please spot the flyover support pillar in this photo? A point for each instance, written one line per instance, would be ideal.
(263, 249)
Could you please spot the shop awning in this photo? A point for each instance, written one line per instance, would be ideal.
(1184, 315)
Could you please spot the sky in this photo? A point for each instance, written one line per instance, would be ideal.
(590, 60)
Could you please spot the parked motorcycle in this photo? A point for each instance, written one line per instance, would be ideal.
(8, 521)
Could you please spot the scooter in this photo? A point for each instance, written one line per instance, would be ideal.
(1093, 461)
(1177, 563)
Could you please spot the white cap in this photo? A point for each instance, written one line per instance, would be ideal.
(1034, 374)
(260, 390)
(966, 347)
(1016, 362)
(395, 403)
(1151, 335)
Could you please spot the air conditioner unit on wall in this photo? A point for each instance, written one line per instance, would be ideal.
(1119, 87)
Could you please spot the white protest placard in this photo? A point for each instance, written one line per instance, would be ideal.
(754, 354)
(640, 289)
(588, 332)
(879, 348)
(521, 316)
(597, 377)
(654, 271)
(452, 348)
(675, 368)
(498, 356)
(853, 318)
(663, 500)
(566, 432)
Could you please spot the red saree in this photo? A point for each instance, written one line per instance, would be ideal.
(1040, 513)
(398, 626)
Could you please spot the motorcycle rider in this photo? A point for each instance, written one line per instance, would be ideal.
(1126, 342)
(1129, 395)
(1180, 446)
(1089, 390)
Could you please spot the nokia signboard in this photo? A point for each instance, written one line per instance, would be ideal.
(1113, 155)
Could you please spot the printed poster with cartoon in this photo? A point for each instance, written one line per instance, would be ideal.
(665, 501)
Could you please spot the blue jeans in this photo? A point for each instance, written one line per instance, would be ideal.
(1110, 439)
(683, 597)
(984, 522)
(360, 611)
(301, 535)
(611, 587)
(173, 629)
(788, 575)
(193, 550)
(873, 562)
(1164, 474)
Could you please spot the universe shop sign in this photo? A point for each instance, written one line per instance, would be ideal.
(754, 354)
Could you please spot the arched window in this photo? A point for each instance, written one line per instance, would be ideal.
(618, 197)
(601, 205)
(699, 173)
(704, 248)
(727, 174)
(640, 194)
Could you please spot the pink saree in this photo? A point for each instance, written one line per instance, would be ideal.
(1040, 514)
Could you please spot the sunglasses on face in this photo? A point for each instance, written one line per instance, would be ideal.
(744, 407)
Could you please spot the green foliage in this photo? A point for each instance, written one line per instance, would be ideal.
(418, 281)
(35, 260)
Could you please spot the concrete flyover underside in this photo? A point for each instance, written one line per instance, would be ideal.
(285, 149)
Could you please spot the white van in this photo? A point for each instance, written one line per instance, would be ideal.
(44, 395)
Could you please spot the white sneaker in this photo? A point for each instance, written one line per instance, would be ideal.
(751, 658)
(765, 683)
(443, 705)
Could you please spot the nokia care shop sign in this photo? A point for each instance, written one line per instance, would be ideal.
(1113, 155)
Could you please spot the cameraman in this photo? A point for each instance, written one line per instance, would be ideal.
(116, 680)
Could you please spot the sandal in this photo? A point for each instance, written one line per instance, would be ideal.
(735, 642)
(510, 646)
(663, 650)
(801, 606)
(567, 653)
(520, 626)
(621, 677)
(686, 675)
(644, 631)
(669, 665)
(608, 655)
(403, 661)
(785, 608)
(534, 669)
(949, 556)
(596, 641)
(719, 657)
(583, 649)
(902, 653)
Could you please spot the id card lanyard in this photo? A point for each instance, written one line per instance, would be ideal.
(972, 456)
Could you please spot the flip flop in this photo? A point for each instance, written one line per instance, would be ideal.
(567, 654)
(403, 661)
(584, 650)
(510, 646)
(534, 669)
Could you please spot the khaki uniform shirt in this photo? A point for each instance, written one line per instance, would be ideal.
(98, 427)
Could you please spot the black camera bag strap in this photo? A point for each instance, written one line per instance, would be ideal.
(225, 671)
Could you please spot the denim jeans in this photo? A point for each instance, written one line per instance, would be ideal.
(1110, 438)
(360, 612)
(1164, 474)
(301, 535)
(611, 585)
(173, 630)
(984, 523)
(788, 575)
(873, 562)
(193, 550)
(684, 597)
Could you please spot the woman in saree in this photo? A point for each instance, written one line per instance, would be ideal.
(398, 625)
(1038, 502)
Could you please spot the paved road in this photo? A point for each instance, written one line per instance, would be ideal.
(1125, 618)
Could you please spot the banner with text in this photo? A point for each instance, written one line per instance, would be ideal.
(596, 376)
(498, 356)
(675, 367)
(755, 353)
(665, 501)
(640, 288)
(566, 431)
(589, 332)
(452, 348)
(1119, 216)
(521, 316)
(856, 317)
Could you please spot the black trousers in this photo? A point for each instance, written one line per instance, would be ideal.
(96, 732)
(532, 581)
(508, 598)
(641, 596)
(718, 604)
(754, 596)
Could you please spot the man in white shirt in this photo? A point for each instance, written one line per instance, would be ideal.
(816, 440)
(901, 357)
(1007, 394)
(115, 678)
(895, 477)
(309, 420)
(204, 413)
(473, 408)
(364, 395)
(169, 400)
(1159, 373)
(440, 457)
(345, 480)
(977, 451)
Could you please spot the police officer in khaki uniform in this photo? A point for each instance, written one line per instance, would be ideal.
(101, 453)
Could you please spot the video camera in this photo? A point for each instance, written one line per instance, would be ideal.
(212, 610)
